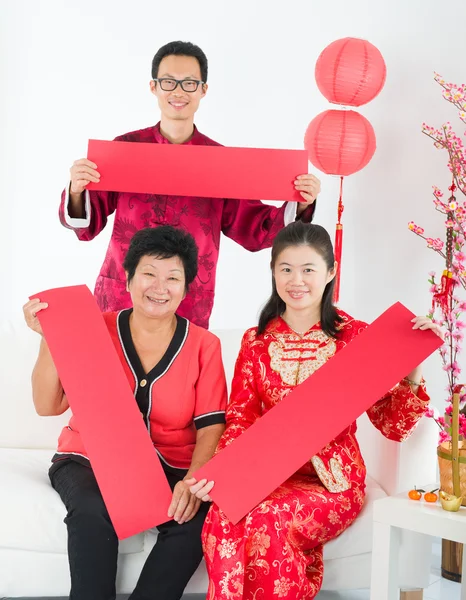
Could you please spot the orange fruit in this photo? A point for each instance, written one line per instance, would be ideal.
(414, 494)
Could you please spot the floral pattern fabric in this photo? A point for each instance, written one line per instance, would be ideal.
(276, 550)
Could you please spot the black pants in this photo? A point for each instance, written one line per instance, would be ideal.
(93, 544)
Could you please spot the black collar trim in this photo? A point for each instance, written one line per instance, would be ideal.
(132, 356)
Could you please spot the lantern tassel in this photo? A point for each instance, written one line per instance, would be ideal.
(338, 244)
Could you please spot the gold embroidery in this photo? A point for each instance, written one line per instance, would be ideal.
(334, 480)
(227, 548)
(282, 586)
(296, 358)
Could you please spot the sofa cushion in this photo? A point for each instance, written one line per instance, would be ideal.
(31, 512)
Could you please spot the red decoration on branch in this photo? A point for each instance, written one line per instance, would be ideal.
(350, 71)
(340, 142)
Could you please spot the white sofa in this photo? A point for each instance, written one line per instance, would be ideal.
(33, 560)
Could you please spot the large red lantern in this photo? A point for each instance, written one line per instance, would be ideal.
(350, 72)
(340, 142)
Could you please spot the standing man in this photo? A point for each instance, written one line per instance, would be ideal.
(179, 82)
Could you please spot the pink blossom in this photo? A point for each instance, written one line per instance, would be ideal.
(429, 413)
(454, 210)
(444, 437)
(418, 230)
(455, 369)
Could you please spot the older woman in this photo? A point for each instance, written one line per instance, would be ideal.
(175, 370)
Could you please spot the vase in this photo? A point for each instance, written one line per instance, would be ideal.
(452, 467)
(444, 453)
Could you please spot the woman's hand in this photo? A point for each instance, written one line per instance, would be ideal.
(184, 505)
(200, 489)
(424, 323)
(415, 377)
(30, 310)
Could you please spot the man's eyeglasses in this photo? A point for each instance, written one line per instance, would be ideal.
(187, 85)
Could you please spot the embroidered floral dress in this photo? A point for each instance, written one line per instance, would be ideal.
(276, 550)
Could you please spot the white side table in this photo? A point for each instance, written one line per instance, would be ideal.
(394, 513)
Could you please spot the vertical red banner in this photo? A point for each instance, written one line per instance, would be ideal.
(125, 463)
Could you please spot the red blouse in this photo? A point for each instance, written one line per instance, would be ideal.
(184, 392)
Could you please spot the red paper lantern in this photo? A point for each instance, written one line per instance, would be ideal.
(340, 142)
(350, 71)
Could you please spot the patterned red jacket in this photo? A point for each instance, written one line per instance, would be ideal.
(249, 222)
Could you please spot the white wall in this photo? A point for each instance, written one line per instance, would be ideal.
(74, 70)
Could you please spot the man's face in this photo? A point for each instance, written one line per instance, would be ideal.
(178, 105)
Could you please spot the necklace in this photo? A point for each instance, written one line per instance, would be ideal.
(293, 329)
(298, 332)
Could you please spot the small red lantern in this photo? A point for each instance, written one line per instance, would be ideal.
(340, 142)
(350, 71)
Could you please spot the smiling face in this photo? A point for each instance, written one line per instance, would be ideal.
(158, 286)
(301, 275)
(178, 105)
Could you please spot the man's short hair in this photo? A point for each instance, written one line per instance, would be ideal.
(180, 49)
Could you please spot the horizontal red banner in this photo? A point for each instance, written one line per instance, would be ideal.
(201, 171)
(316, 412)
(127, 468)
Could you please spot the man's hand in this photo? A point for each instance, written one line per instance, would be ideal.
(184, 505)
(82, 172)
(309, 188)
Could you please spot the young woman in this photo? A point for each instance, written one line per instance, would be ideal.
(276, 550)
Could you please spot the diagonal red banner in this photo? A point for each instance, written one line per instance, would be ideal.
(316, 411)
(201, 171)
(127, 468)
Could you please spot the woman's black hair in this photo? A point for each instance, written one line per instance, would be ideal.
(316, 237)
(163, 242)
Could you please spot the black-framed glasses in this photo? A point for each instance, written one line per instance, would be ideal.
(187, 85)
